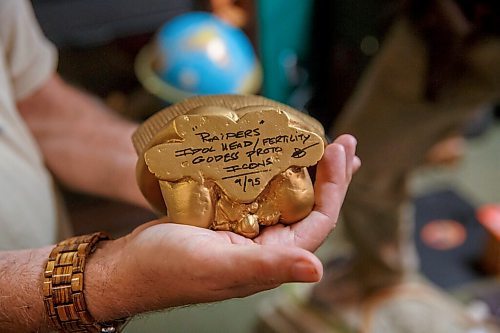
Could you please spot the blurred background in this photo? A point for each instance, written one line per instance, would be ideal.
(308, 54)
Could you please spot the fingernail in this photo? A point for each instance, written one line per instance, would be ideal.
(303, 271)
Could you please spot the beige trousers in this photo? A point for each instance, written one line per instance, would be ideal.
(395, 126)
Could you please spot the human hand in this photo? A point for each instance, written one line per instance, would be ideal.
(162, 265)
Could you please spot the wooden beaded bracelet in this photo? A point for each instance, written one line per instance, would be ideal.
(63, 289)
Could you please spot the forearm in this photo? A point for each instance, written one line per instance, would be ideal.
(21, 288)
(21, 300)
(84, 144)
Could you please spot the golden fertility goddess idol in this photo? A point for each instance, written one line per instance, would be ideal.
(229, 162)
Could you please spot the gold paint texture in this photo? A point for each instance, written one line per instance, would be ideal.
(229, 162)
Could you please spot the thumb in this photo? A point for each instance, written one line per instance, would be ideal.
(263, 267)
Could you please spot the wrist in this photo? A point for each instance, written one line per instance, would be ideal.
(115, 284)
(105, 283)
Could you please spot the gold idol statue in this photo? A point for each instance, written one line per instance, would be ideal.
(229, 162)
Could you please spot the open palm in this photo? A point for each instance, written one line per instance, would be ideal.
(200, 265)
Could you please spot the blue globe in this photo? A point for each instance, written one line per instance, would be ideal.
(199, 54)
